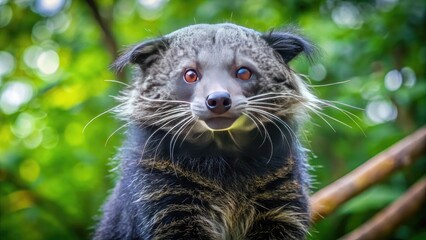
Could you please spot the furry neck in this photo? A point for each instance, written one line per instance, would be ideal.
(228, 156)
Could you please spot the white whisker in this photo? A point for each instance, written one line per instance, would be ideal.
(344, 104)
(263, 107)
(247, 114)
(329, 84)
(233, 139)
(168, 121)
(164, 101)
(330, 117)
(167, 133)
(316, 113)
(163, 114)
(347, 113)
(271, 118)
(118, 129)
(107, 111)
(172, 117)
(254, 118)
(188, 132)
(175, 137)
(115, 81)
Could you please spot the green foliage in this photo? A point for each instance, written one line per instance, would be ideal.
(53, 67)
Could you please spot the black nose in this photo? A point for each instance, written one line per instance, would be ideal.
(219, 102)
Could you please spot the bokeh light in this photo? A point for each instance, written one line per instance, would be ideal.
(346, 14)
(48, 62)
(386, 5)
(381, 111)
(409, 76)
(14, 94)
(59, 23)
(24, 125)
(393, 80)
(50, 138)
(7, 63)
(29, 170)
(31, 55)
(6, 15)
(152, 4)
(317, 72)
(41, 32)
(48, 8)
(150, 9)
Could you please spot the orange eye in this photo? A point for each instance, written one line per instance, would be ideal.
(190, 76)
(244, 73)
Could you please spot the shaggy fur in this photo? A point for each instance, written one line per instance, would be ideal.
(181, 180)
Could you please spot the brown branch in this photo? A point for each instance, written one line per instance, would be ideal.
(109, 39)
(401, 154)
(107, 33)
(386, 221)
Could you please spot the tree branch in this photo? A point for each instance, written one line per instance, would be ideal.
(107, 33)
(386, 221)
(401, 154)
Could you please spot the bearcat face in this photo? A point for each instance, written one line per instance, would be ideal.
(211, 78)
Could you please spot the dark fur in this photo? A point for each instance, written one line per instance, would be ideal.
(207, 186)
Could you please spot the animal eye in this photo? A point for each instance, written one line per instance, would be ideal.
(190, 76)
(244, 73)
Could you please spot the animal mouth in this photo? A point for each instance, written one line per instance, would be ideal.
(219, 123)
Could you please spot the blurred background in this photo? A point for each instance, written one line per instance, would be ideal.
(54, 58)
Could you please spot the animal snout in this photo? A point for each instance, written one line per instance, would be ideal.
(218, 102)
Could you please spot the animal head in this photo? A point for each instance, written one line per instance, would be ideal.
(211, 78)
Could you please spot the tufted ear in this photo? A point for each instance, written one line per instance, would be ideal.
(288, 45)
(143, 54)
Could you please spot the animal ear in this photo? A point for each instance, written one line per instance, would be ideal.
(143, 54)
(289, 45)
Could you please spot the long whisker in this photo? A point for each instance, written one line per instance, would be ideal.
(115, 81)
(271, 118)
(233, 139)
(263, 95)
(162, 113)
(164, 101)
(277, 97)
(330, 117)
(279, 120)
(157, 130)
(344, 104)
(247, 114)
(314, 107)
(188, 132)
(329, 84)
(262, 113)
(107, 111)
(263, 103)
(175, 137)
(341, 110)
(347, 113)
(171, 116)
(316, 113)
(118, 129)
(267, 136)
(167, 133)
(147, 142)
(263, 107)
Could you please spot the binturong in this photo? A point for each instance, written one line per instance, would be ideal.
(212, 149)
